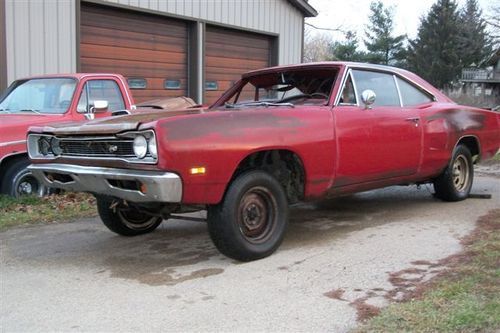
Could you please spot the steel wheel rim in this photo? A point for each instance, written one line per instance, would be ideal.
(29, 185)
(257, 217)
(136, 220)
(460, 173)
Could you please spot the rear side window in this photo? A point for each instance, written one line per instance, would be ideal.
(382, 84)
(411, 95)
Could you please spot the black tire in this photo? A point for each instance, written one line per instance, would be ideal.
(455, 183)
(251, 220)
(125, 222)
(18, 180)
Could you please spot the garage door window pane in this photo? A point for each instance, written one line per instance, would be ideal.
(412, 95)
(382, 84)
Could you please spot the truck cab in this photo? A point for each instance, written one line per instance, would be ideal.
(47, 100)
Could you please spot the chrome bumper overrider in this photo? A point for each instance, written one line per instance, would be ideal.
(149, 186)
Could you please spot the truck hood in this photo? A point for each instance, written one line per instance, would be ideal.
(14, 126)
(113, 125)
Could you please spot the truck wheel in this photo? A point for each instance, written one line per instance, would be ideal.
(455, 183)
(18, 180)
(125, 222)
(251, 220)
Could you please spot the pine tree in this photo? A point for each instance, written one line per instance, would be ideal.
(382, 46)
(347, 50)
(475, 43)
(435, 53)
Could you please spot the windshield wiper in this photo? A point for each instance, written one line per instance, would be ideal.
(5, 110)
(30, 110)
(266, 104)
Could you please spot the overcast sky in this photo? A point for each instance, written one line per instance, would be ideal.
(353, 14)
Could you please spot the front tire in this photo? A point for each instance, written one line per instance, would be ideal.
(251, 220)
(125, 221)
(455, 183)
(19, 181)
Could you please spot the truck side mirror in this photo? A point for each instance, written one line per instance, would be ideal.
(368, 97)
(99, 107)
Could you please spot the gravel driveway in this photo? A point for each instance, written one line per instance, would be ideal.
(338, 260)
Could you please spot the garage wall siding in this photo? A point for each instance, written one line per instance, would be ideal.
(41, 34)
(40, 37)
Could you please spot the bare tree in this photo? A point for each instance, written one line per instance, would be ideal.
(317, 46)
(493, 22)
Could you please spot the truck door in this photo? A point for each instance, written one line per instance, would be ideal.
(100, 90)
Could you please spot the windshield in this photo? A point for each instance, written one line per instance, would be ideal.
(46, 96)
(285, 88)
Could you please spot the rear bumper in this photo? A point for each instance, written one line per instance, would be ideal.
(131, 185)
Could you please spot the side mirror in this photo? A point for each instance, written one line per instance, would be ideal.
(99, 107)
(368, 97)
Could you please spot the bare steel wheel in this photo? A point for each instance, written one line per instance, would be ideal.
(126, 222)
(18, 181)
(460, 173)
(455, 183)
(251, 220)
(257, 214)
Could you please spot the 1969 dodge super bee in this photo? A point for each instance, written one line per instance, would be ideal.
(278, 136)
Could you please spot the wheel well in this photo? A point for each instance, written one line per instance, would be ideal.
(7, 161)
(472, 144)
(283, 165)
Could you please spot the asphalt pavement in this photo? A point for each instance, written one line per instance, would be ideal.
(337, 260)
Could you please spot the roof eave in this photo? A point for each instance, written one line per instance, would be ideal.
(304, 7)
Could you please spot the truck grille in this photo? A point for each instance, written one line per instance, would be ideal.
(97, 148)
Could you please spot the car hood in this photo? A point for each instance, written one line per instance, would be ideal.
(116, 124)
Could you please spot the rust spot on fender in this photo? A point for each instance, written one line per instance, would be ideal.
(228, 124)
(461, 120)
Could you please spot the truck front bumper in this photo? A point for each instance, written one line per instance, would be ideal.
(131, 185)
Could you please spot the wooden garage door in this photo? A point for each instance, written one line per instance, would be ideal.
(138, 46)
(228, 54)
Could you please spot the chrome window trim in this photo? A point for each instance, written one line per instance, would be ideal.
(399, 91)
(342, 86)
(389, 70)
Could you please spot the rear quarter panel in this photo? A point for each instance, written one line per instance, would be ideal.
(220, 140)
(446, 124)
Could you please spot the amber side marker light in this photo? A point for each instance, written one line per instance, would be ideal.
(197, 171)
(143, 188)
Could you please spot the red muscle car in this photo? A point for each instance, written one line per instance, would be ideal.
(280, 135)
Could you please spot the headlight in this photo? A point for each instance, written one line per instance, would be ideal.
(55, 146)
(140, 146)
(152, 147)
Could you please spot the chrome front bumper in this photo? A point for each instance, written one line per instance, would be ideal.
(148, 186)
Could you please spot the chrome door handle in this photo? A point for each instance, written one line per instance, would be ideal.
(415, 120)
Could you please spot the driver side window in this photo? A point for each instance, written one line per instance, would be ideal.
(106, 90)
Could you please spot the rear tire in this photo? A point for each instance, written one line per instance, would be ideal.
(251, 220)
(125, 222)
(455, 183)
(19, 181)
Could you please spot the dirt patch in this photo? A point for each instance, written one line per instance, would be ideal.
(335, 294)
(364, 310)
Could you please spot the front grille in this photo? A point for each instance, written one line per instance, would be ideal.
(97, 148)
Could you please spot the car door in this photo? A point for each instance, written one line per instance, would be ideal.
(377, 142)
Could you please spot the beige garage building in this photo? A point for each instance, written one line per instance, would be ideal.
(164, 48)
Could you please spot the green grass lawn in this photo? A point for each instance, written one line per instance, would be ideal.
(465, 298)
(51, 209)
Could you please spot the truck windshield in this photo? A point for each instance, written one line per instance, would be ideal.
(48, 96)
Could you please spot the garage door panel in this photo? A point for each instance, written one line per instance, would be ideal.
(109, 37)
(123, 53)
(135, 45)
(225, 36)
(229, 53)
(130, 21)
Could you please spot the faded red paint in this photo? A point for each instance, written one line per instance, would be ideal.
(343, 149)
